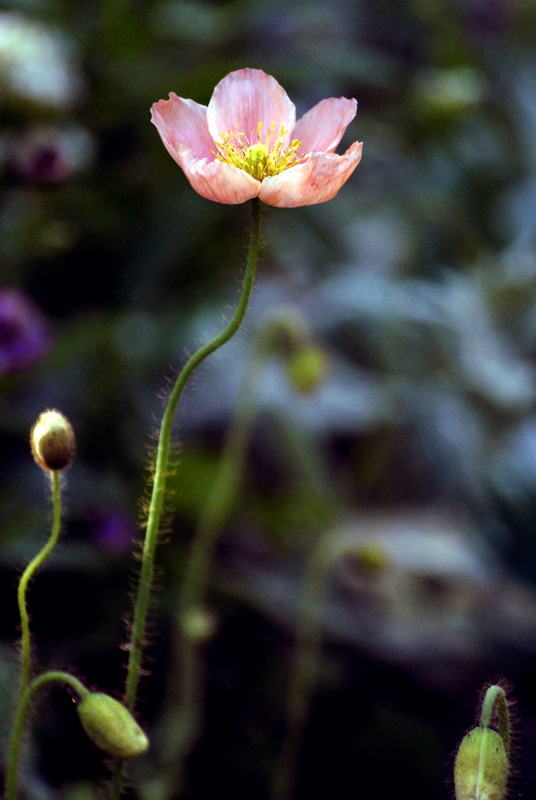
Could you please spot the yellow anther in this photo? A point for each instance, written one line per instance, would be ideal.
(260, 159)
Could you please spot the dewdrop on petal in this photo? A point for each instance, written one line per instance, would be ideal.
(481, 766)
(111, 726)
(52, 441)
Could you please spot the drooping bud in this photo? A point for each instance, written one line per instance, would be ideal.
(481, 766)
(52, 441)
(111, 726)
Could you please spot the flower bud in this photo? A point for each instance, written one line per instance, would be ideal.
(52, 441)
(199, 624)
(481, 766)
(369, 558)
(111, 726)
(306, 368)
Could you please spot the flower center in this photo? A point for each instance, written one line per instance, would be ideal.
(260, 159)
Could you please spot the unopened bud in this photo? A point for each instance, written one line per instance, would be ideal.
(306, 368)
(481, 766)
(52, 441)
(111, 726)
(370, 558)
(199, 624)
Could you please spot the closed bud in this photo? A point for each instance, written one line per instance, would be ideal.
(199, 624)
(111, 726)
(481, 766)
(369, 558)
(52, 441)
(306, 368)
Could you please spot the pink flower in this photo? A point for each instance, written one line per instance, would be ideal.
(247, 142)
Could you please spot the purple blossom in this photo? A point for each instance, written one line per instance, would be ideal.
(47, 154)
(113, 530)
(24, 332)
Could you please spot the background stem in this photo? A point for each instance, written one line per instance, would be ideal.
(184, 698)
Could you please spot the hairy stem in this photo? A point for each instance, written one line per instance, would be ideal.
(495, 702)
(20, 718)
(27, 575)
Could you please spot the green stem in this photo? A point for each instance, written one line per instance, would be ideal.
(495, 702)
(161, 471)
(20, 717)
(27, 575)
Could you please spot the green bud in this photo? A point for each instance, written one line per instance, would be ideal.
(111, 726)
(199, 624)
(481, 766)
(370, 558)
(52, 441)
(306, 368)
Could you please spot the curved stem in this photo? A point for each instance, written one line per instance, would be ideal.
(495, 702)
(20, 717)
(161, 472)
(27, 575)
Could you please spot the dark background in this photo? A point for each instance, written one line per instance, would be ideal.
(416, 458)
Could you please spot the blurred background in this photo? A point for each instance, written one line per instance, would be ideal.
(406, 478)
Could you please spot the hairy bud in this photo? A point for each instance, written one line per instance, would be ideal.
(111, 726)
(481, 766)
(52, 441)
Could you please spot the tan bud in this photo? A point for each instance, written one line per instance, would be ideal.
(111, 726)
(52, 441)
(481, 766)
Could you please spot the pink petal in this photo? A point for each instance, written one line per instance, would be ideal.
(183, 122)
(216, 180)
(322, 128)
(246, 97)
(316, 181)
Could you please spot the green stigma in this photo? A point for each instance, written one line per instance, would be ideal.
(256, 157)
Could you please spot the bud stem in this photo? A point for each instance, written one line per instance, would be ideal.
(20, 716)
(27, 575)
(495, 703)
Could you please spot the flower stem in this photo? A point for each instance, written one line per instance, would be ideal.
(20, 717)
(27, 575)
(160, 475)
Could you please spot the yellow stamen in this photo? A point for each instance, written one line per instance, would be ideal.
(260, 159)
